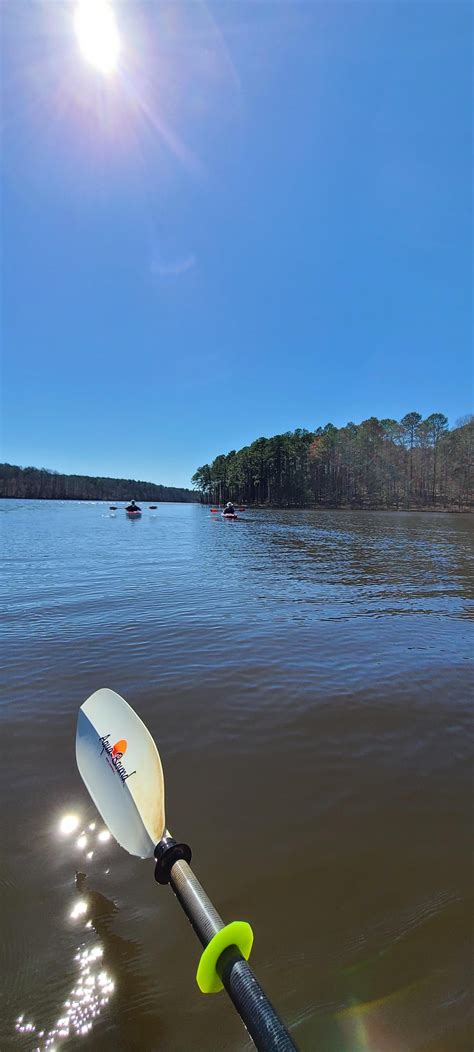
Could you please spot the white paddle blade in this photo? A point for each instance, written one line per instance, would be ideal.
(121, 768)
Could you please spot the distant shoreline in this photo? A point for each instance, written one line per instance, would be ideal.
(42, 484)
(102, 500)
(426, 509)
(348, 507)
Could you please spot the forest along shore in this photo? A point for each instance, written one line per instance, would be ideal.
(376, 465)
(43, 484)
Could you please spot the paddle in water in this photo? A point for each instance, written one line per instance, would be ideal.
(121, 768)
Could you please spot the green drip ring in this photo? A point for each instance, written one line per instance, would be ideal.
(237, 933)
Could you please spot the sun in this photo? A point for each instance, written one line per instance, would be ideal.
(97, 34)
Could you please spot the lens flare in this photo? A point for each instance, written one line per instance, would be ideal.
(97, 34)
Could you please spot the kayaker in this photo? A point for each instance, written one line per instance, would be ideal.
(132, 507)
(229, 508)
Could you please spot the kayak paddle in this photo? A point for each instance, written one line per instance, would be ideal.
(121, 768)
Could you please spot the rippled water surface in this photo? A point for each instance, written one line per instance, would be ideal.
(307, 678)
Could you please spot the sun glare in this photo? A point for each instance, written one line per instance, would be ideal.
(97, 34)
(68, 824)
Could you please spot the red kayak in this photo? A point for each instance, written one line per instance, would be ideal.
(133, 514)
(225, 515)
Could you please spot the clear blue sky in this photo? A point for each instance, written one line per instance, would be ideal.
(261, 221)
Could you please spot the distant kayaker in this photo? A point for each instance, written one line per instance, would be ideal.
(229, 508)
(132, 507)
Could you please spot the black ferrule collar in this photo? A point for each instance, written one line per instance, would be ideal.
(167, 852)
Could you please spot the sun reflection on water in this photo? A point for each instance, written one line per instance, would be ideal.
(68, 824)
(93, 984)
(93, 987)
(79, 909)
(91, 992)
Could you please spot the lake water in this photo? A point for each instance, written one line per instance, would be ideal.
(307, 678)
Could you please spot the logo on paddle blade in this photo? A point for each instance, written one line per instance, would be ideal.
(119, 748)
(113, 754)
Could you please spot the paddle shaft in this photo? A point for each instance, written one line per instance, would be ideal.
(265, 1028)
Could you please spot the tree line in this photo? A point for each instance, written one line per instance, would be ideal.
(375, 464)
(42, 484)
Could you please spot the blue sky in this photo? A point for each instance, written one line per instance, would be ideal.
(261, 221)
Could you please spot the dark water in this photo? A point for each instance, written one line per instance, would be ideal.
(307, 678)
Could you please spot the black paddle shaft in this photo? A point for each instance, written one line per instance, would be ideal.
(265, 1028)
